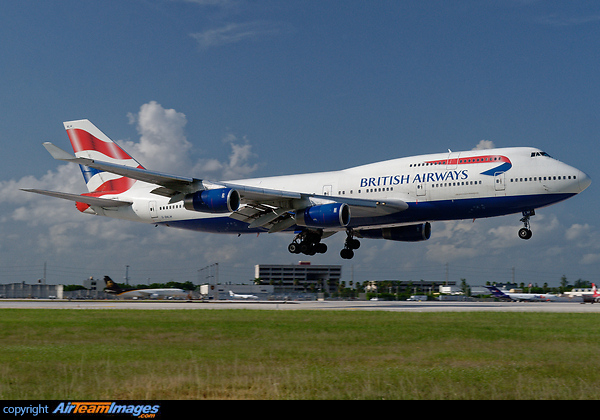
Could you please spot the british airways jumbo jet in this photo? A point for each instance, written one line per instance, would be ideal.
(394, 199)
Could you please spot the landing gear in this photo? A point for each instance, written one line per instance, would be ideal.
(525, 232)
(351, 244)
(308, 242)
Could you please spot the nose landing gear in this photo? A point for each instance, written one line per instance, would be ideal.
(525, 232)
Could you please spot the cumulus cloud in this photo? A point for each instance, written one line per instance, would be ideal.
(54, 226)
(237, 166)
(484, 144)
(577, 232)
(163, 145)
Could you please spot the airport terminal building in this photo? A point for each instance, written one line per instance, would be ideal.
(301, 277)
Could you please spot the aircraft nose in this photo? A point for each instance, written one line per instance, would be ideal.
(584, 180)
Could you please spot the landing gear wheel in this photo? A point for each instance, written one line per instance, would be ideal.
(308, 242)
(353, 243)
(294, 248)
(321, 248)
(525, 233)
(349, 246)
(347, 254)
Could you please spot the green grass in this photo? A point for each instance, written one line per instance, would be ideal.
(247, 354)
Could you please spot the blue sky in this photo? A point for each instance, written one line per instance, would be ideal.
(234, 88)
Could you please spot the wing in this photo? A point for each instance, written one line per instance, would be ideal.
(92, 201)
(273, 209)
(262, 207)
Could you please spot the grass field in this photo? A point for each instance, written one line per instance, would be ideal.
(249, 354)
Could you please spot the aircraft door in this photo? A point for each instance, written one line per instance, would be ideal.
(499, 182)
(153, 210)
(452, 161)
(327, 189)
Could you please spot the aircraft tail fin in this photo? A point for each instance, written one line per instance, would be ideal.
(89, 142)
(595, 290)
(496, 292)
(111, 286)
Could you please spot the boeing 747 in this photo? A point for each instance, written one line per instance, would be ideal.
(395, 199)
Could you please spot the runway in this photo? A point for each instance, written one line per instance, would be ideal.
(403, 306)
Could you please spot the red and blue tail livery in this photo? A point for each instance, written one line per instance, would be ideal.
(395, 199)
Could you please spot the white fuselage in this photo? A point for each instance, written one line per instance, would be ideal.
(444, 186)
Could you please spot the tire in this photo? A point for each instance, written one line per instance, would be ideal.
(525, 233)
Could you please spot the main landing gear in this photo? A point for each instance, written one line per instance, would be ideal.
(308, 242)
(351, 244)
(525, 232)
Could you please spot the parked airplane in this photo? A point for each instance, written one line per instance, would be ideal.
(593, 297)
(238, 296)
(520, 297)
(394, 199)
(167, 293)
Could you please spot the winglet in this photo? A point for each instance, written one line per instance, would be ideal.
(58, 153)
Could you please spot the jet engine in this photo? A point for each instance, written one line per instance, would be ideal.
(220, 200)
(412, 233)
(324, 216)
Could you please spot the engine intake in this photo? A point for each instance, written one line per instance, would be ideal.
(220, 200)
(412, 233)
(325, 215)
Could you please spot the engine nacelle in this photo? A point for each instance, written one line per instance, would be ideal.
(220, 200)
(325, 215)
(412, 233)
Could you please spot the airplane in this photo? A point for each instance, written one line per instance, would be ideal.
(167, 293)
(238, 296)
(395, 199)
(593, 297)
(522, 297)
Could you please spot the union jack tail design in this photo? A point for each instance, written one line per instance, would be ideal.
(89, 142)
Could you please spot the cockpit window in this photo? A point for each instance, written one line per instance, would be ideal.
(534, 154)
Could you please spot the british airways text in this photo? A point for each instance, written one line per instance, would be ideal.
(383, 181)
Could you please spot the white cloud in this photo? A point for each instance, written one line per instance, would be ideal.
(577, 232)
(233, 33)
(484, 144)
(163, 145)
(43, 226)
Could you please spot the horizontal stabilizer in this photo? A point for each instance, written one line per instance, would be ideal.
(171, 182)
(92, 201)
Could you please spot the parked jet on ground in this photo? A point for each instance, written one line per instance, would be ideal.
(167, 293)
(394, 199)
(520, 297)
(239, 296)
(593, 297)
